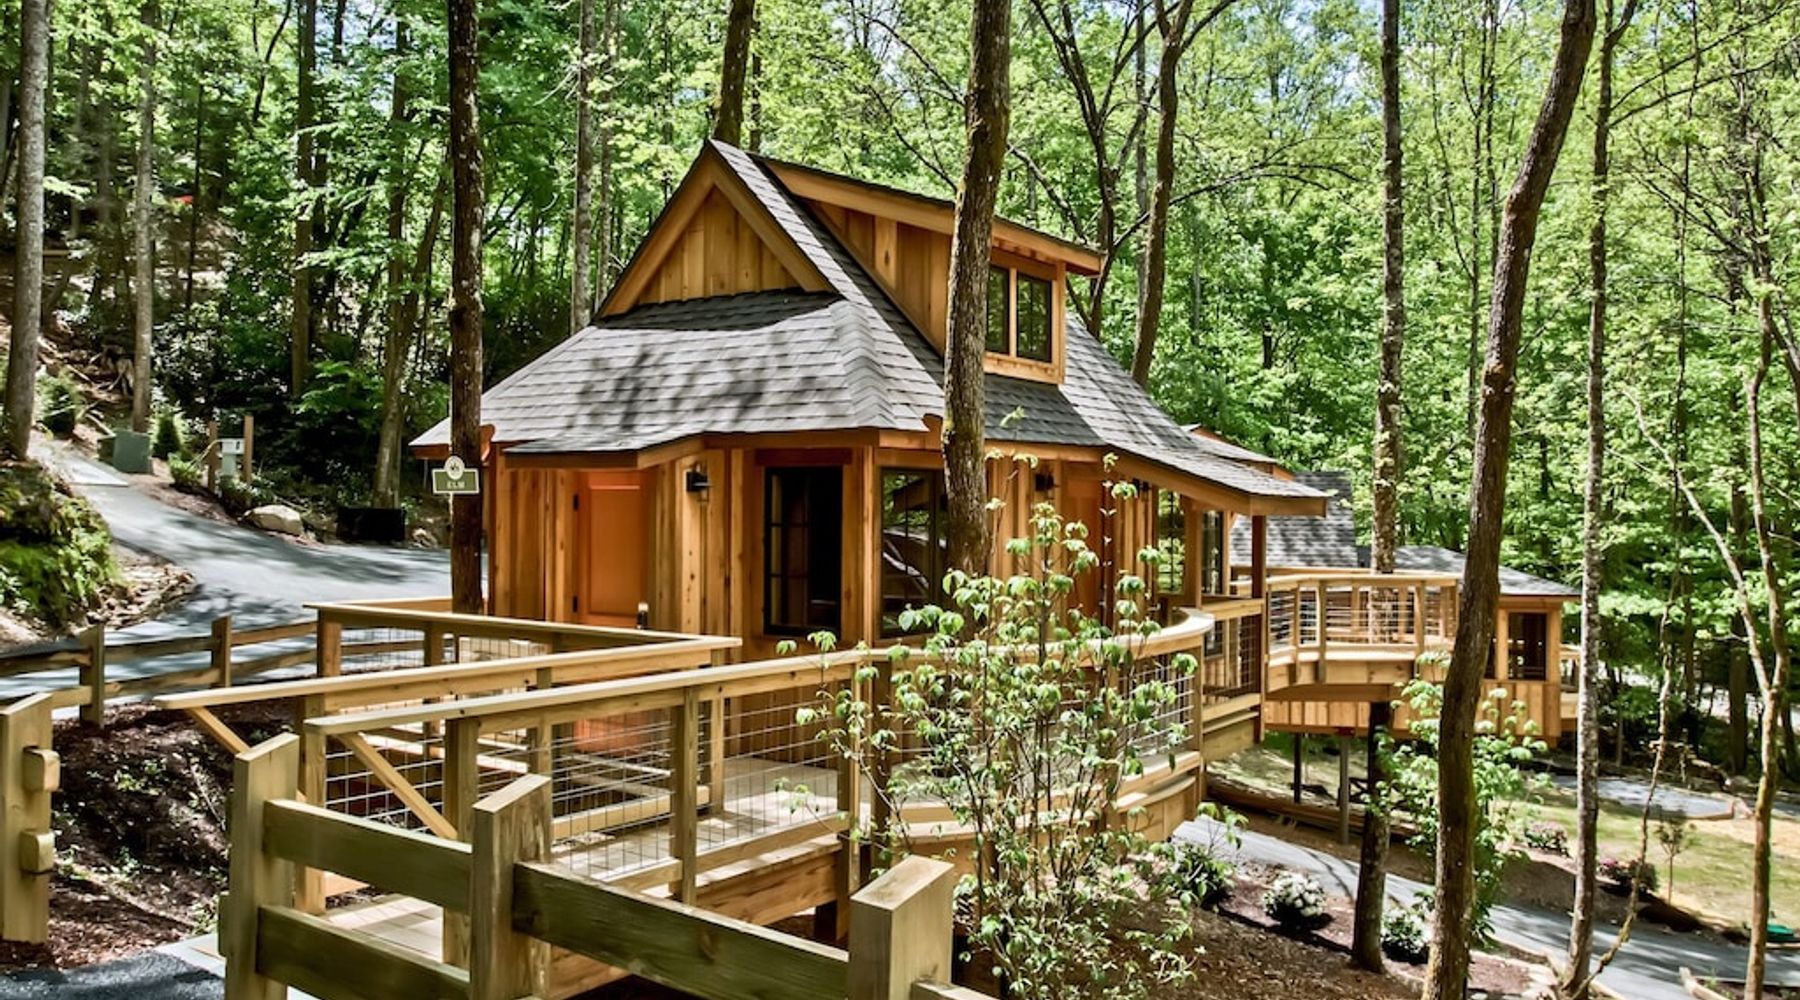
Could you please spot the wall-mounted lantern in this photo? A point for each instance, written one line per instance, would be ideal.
(697, 480)
(1043, 482)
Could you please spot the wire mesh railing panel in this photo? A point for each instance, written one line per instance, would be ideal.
(413, 754)
(1283, 620)
(777, 772)
(366, 650)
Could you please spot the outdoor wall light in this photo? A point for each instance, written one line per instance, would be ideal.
(1043, 482)
(697, 481)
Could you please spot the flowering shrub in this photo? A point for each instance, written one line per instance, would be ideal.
(1295, 901)
(1616, 874)
(1403, 933)
(1548, 837)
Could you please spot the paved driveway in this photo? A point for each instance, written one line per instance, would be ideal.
(1648, 968)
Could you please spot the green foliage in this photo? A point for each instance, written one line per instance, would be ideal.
(1547, 836)
(168, 439)
(1505, 791)
(61, 403)
(1016, 700)
(239, 495)
(1618, 874)
(55, 551)
(1295, 901)
(186, 473)
(1199, 874)
(1403, 931)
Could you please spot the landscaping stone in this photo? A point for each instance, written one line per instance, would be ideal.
(277, 517)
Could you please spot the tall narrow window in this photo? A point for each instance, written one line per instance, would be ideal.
(1033, 336)
(914, 539)
(999, 307)
(1212, 553)
(1171, 541)
(802, 550)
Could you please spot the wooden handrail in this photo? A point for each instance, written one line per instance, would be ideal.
(481, 626)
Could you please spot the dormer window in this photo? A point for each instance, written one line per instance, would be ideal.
(1019, 315)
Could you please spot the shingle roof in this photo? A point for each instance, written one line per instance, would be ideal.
(792, 361)
(1513, 583)
(1299, 540)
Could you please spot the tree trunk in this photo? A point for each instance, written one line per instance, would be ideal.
(986, 117)
(1371, 881)
(1173, 27)
(1447, 974)
(581, 306)
(728, 125)
(385, 488)
(143, 224)
(603, 221)
(193, 241)
(301, 319)
(28, 256)
(465, 299)
(1587, 812)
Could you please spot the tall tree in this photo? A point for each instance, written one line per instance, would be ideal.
(1587, 812)
(986, 119)
(728, 125)
(1447, 974)
(582, 227)
(465, 297)
(28, 254)
(301, 317)
(385, 488)
(143, 227)
(1371, 879)
(1174, 27)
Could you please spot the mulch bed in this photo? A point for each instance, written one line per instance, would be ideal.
(140, 833)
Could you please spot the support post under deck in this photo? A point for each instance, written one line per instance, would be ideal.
(1299, 764)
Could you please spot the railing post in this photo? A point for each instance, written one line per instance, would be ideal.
(715, 748)
(848, 873)
(259, 775)
(1418, 619)
(93, 675)
(221, 651)
(1319, 621)
(29, 772)
(309, 883)
(328, 645)
(462, 784)
(684, 784)
(900, 930)
(510, 826)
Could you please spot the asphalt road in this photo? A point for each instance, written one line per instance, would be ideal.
(255, 577)
(1649, 967)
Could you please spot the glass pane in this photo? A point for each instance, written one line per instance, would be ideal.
(911, 543)
(1034, 318)
(996, 310)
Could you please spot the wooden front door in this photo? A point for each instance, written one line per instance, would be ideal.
(613, 568)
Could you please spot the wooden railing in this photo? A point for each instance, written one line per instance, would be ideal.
(637, 761)
(1357, 615)
(517, 910)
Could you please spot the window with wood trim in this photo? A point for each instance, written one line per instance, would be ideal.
(1212, 553)
(914, 542)
(1528, 646)
(1171, 544)
(803, 529)
(1020, 315)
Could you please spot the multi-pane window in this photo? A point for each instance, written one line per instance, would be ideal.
(1020, 315)
(802, 550)
(1171, 543)
(1212, 552)
(1528, 646)
(914, 540)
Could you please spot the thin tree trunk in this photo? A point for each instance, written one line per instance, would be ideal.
(143, 225)
(1446, 976)
(603, 221)
(28, 257)
(1371, 880)
(728, 126)
(385, 487)
(580, 303)
(301, 320)
(986, 117)
(465, 299)
(193, 247)
(1587, 812)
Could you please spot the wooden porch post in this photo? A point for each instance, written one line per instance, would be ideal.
(1299, 763)
(258, 879)
(900, 931)
(509, 826)
(1344, 744)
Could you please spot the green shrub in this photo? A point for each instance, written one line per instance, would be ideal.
(55, 551)
(167, 438)
(186, 472)
(239, 495)
(1616, 875)
(61, 404)
(1547, 836)
(1200, 877)
(1403, 936)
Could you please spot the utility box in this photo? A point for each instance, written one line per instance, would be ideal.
(231, 458)
(131, 451)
